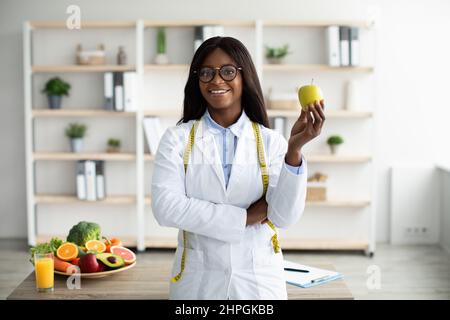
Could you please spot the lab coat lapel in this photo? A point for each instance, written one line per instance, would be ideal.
(205, 143)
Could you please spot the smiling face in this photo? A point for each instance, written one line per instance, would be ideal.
(218, 93)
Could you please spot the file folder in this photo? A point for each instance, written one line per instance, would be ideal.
(305, 276)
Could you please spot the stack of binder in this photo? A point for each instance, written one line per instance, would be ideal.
(90, 180)
(304, 276)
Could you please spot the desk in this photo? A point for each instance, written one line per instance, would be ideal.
(150, 280)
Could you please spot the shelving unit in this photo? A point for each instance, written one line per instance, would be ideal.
(140, 201)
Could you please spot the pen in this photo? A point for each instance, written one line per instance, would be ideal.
(296, 270)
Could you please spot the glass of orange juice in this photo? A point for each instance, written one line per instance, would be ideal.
(44, 270)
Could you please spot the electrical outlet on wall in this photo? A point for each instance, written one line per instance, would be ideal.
(416, 232)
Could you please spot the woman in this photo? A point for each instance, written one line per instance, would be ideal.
(211, 175)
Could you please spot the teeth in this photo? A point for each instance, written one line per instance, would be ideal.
(218, 91)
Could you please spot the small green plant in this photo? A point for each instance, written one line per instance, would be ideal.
(335, 140)
(277, 52)
(161, 41)
(76, 130)
(114, 143)
(56, 87)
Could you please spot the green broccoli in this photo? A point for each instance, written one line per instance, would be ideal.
(83, 232)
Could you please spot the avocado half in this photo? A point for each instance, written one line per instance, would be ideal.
(110, 260)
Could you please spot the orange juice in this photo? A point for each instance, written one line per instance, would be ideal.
(44, 269)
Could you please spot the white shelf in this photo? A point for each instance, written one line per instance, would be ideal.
(80, 68)
(323, 244)
(330, 114)
(140, 201)
(314, 67)
(84, 24)
(85, 113)
(318, 23)
(70, 156)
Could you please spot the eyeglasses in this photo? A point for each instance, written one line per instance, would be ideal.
(227, 73)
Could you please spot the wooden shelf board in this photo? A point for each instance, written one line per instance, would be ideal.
(286, 244)
(72, 199)
(164, 112)
(313, 67)
(84, 24)
(335, 114)
(337, 159)
(159, 67)
(338, 203)
(318, 23)
(81, 68)
(316, 158)
(331, 114)
(88, 113)
(82, 156)
(193, 23)
(322, 244)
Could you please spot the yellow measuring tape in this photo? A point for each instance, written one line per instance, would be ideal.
(265, 180)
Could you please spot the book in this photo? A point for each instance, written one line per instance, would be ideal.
(100, 180)
(81, 181)
(212, 31)
(89, 172)
(332, 38)
(198, 37)
(344, 46)
(118, 91)
(108, 85)
(354, 46)
(279, 125)
(130, 91)
(152, 129)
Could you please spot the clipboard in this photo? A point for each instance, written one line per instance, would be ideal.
(305, 276)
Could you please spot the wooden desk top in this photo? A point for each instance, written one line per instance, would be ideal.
(150, 280)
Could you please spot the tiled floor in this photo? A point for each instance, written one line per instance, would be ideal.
(405, 272)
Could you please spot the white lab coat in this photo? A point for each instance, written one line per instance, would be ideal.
(225, 259)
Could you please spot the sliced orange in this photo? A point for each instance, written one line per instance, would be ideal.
(67, 251)
(95, 245)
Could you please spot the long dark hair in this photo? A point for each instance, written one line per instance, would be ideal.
(194, 105)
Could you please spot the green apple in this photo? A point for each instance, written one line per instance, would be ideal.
(308, 94)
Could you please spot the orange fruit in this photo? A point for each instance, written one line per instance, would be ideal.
(67, 251)
(95, 245)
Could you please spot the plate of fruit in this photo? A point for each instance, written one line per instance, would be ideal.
(88, 253)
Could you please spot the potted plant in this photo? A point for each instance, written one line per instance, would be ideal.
(113, 145)
(161, 56)
(275, 55)
(55, 88)
(75, 132)
(334, 142)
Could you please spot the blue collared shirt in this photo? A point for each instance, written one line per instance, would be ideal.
(226, 139)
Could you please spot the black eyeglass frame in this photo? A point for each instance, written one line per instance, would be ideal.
(215, 72)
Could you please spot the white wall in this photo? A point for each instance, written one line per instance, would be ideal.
(412, 71)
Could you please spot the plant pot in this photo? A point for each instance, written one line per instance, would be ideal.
(161, 58)
(54, 102)
(113, 150)
(76, 144)
(275, 60)
(334, 148)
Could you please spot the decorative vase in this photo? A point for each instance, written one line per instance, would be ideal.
(54, 101)
(161, 58)
(76, 144)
